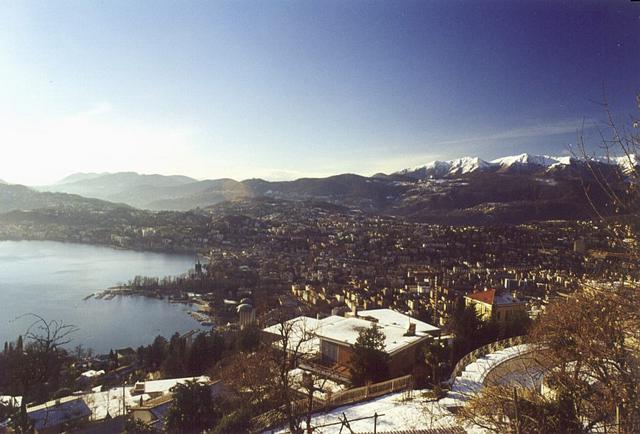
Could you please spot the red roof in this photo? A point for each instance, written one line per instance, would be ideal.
(484, 296)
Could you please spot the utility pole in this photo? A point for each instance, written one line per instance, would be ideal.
(375, 422)
(517, 415)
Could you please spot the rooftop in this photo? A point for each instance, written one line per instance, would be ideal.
(164, 386)
(303, 331)
(493, 297)
(346, 330)
(54, 413)
(393, 324)
(10, 401)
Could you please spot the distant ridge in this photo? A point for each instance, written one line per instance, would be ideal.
(127, 187)
(521, 163)
(14, 197)
(467, 190)
(75, 177)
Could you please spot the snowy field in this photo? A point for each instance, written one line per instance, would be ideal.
(399, 411)
(411, 411)
(473, 377)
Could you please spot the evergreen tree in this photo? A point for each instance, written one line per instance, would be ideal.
(193, 409)
(205, 350)
(468, 329)
(157, 352)
(174, 363)
(369, 361)
(134, 426)
(248, 339)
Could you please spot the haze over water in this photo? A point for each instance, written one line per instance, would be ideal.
(51, 279)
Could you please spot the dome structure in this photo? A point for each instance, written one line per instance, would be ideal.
(246, 314)
(244, 307)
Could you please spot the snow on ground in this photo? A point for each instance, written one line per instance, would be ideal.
(411, 411)
(399, 413)
(324, 385)
(472, 378)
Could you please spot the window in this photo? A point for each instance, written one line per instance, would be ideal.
(329, 351)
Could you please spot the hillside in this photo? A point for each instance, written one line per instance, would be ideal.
(18, 197)
(467, 190)
(128, 187)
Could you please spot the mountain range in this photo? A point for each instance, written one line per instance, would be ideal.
(466, 190)
(522, 163)
(19, 197)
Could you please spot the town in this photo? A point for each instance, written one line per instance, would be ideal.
(312, 277)
(334, 217)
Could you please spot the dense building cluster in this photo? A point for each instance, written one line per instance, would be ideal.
(333, 260)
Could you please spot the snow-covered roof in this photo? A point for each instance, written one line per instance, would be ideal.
(10, 401)
(345, 330)
(305, 329)
(164, 386)
(110, 401)
(393, 318)
(393, 324)
(54, 413)
(91, 373)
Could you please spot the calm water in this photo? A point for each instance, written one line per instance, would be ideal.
(51, 279)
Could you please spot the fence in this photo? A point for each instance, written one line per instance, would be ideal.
(324, 371)
(483, 351)
(350, 396)
(369, 391)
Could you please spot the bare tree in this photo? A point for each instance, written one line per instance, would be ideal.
(293, 344)
(587, 347)
(267, 380)
(614, 187)
(594, 339)
(37, 366)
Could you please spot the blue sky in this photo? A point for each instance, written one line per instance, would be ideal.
(284, 89)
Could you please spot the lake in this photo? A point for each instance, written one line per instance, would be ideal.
(51, 279)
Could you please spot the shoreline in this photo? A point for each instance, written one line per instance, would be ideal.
(183, 251)
(202, 312)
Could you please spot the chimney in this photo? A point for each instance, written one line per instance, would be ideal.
(411, 330)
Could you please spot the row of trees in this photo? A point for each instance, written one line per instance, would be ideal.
(178, 357)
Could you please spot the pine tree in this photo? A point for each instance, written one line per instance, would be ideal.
(193, 409)
(369, 361)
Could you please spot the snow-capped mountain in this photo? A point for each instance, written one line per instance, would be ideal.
(464, 165)
(526, 160)
(628, 163)
(522, 163)
(449, 168)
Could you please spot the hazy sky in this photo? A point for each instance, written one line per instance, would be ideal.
(283, 89)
